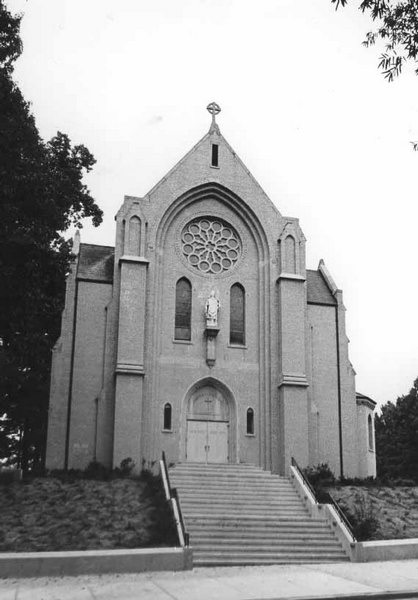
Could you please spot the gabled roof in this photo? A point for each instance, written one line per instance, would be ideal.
(95, 263)
(188, 164)
(318, 290)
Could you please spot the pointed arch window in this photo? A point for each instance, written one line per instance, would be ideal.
(134, 236)
(290, 257)
(183, 316)
(237, 315)
(167, 416)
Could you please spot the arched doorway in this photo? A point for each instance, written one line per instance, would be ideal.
(210, 424)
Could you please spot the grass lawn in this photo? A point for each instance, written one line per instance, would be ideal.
(84, 514)
(395, 509)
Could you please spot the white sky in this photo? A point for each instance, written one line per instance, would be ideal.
(303, 105)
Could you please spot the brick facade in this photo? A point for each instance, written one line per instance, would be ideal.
(118, 362)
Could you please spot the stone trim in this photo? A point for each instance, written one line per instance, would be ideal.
(293, 379)
(89, 562)
(292, 276)
(128, 369)
(134, 259)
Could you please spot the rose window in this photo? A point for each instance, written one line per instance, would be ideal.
(210, 245)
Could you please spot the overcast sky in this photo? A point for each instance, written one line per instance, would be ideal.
(303, 105)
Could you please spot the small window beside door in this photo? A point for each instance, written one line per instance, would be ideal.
(167, 417)
(250, 421)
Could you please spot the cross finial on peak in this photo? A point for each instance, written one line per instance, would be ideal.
(214, 110)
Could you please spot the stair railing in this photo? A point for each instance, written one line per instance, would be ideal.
(341, 514)
(305, 480)
(173, 499)
(326, 498)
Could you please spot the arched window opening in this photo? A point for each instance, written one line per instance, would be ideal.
(134, 236)
(237, 315)
(250, 421)
(167, 417)
(183, 317)
(290, 254)
(370, 432)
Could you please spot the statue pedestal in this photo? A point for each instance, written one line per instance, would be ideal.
(211, 332)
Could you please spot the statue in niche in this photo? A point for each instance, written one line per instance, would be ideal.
(212, 310)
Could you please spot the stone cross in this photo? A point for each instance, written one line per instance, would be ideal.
(214, 110)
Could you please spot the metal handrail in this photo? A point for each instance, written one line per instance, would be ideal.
(305, 479)
(343, 517)
(329, 499)
(183, 535)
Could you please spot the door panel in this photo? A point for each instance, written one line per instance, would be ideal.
(217, 442)
(197, 433)
(207, 441)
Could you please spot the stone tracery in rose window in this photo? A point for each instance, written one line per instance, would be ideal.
(210, 245)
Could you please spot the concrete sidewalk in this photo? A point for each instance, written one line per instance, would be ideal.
(229, 583)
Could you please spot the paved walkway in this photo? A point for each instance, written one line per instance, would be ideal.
(229, 583)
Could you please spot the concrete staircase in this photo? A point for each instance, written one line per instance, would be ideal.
(242, 515)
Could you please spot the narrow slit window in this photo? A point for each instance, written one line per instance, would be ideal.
(167, 417)
(215, 155)
(250, 421)
(183, 316)
(237, 315)
(370, 432)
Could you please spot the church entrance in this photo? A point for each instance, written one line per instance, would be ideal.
(207, 441)
(207, 427)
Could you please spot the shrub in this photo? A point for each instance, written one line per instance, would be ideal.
(362, 517)
(320, 475)
(95, 470)
(126, 467)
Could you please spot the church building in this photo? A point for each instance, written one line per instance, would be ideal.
(202, 334)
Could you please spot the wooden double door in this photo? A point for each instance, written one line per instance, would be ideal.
(207, 441)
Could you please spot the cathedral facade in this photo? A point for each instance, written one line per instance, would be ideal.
(202, 333)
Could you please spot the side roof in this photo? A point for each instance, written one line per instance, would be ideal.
(95, 263)
(362, 399)
(318, 290)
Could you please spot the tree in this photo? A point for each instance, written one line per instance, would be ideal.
(397, 437)
(42, 195)
(398, 28)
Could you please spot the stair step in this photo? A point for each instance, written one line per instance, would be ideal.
(263, 502)
(296, 528)
(267, 555)
(253, 560)
(256, 517)
(259, 546)
(240, 514)
(229, 477)
(240, 536)
(228, 483)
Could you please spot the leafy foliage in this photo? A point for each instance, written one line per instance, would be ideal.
(42, 194)
(320, 475)
(362, 516)
(397, 437)
(398, 28)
